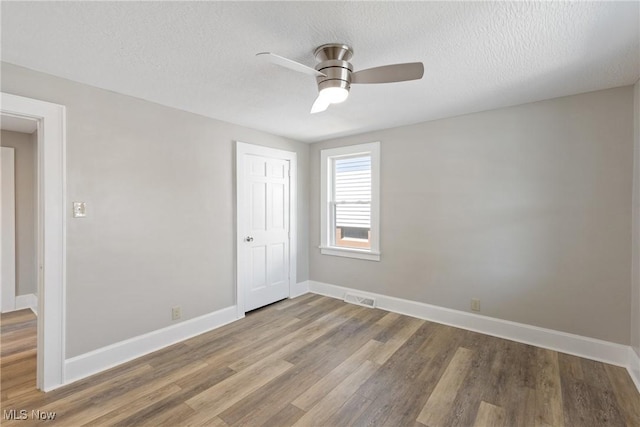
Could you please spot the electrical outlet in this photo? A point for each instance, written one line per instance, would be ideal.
(475, 304)
(176, 313)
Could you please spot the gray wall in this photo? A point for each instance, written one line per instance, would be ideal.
(160, 225)
(25, 170)
(526, 208)
(635, 280)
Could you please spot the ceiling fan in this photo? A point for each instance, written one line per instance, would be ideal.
(334, 73)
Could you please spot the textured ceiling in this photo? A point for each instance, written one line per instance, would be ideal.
(199, 56)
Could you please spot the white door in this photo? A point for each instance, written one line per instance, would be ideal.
(263, 229)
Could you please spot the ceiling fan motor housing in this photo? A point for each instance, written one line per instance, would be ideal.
(334, 64)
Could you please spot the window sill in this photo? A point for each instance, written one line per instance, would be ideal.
(350, 253)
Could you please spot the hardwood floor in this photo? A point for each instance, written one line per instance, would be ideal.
(17, 354)
(318, 361)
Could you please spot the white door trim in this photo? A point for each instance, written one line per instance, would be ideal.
(51, 148)
(8, 231)
(243, 148)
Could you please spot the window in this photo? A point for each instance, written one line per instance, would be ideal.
(350, 201)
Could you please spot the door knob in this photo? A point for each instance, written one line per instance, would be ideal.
(248, 239)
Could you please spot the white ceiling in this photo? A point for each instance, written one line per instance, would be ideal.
(199, 56)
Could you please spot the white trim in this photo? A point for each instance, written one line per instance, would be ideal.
(293, 221)
(634, 367)
(299, 289)
(634, 357)
(51, 120)
(243, 148)
(95, 361)
(7, 230)
(27, 301)
(590, 348)
(350, 253)
(326, 228)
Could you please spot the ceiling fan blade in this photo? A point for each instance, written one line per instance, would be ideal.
(321, 103)
(287, 63)
(389, 73)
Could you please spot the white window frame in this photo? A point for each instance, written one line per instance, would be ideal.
(326, 180)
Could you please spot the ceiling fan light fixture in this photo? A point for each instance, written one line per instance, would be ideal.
(334, 95)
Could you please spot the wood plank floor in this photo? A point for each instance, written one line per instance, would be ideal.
(316, 361)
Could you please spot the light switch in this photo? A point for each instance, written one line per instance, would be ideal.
(79, 209)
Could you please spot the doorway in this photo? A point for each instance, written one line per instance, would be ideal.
(19, 260)
(50, 122)
(266, 224)
(19, 213)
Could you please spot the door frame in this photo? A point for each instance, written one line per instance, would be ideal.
(243, 148)
(51, 188)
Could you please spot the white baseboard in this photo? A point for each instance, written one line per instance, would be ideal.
(634, 367)
(299, 289)
(590, 348)
(27, 301)
(82, 366)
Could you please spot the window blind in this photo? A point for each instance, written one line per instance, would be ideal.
(352, 192)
